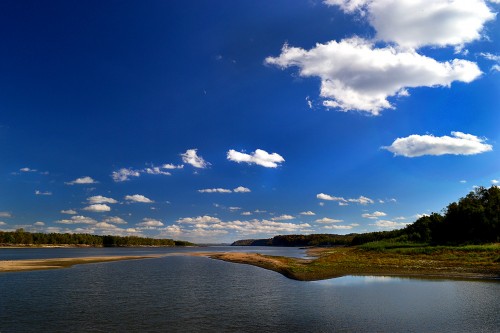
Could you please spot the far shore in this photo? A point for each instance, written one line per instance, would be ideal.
(55, 263)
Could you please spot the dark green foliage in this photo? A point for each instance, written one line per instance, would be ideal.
(473, 219)
(21, 237)
(299, 240)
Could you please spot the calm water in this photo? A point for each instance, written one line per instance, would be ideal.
(193, 294)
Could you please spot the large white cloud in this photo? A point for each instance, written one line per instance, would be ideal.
(259, 157)
(191, 157)
(356, 75)
(457, 144)
(419, 23)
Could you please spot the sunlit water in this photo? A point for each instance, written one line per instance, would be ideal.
(194, 294)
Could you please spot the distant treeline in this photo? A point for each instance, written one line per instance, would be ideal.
(474, 219)
(21, 237)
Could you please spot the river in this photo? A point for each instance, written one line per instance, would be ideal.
(194, 294)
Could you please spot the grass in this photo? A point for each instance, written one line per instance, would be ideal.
(472, 261)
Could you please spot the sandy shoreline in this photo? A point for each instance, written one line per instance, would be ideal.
(55, 263)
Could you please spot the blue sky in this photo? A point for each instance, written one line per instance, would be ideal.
(213, 121)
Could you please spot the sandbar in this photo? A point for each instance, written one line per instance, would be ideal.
(55, 263)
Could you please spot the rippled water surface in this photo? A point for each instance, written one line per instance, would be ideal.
(194, 294)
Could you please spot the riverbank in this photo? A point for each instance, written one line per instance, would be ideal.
(341, 261)
(56, 263)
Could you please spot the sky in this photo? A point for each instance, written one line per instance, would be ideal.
(213, 121)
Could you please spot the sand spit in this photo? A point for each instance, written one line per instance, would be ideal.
(55, 263)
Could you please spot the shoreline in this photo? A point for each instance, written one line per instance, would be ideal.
(58, 263)
(328, 263)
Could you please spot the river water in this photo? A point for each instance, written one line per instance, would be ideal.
(195, 294)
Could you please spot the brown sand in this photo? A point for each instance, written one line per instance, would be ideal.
(39, 264)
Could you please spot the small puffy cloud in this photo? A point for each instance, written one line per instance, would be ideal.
(115, 220)
(328, 220)
(339, 227)
(374, 215)
(259, 157)
(138, 198)
(37, 192)
(39, 224)
(69, 212)
(27, 170)
(5, 214)
(156, 171)
(98, 208)
(495, 181)
(457, 144)
(172, 166)
(283, 218)
(82, 180)
(105, 226)
(146, 222)
(191, 157)
(323, 196)
(97, 199)
(385, 224)
(418, 23)
(2, 223)
(215, 190)
(241, 189)
(199, 220)
(308, 213)
(246, 213)
(362, 200)
(124, 174)
(78, 219)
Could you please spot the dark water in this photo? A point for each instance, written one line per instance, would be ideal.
(193, 294)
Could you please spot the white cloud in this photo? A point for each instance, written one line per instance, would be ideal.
(5, 214)
(191, 157)
(82, 180)
(308, 213)
(259, 157)
(283, 218)
(172, 166)
(374, 215)
(2, 223)
(215, 190)
(495, 181)
(385, 224)
(199, 220)
(241, 189)
(246, 213)
(156, 171)
(37, 192)
(323, 196)
(146, 222)
(69, 211)
(356, 75)
(27, 170)
(138, 198)
(115, 220)
(78, 219)
(124, 174)
(419, 23)
(495, 68)
(328, 220)
(362, 200)
(39, 224)
(97, 199)
(339, 227)
(105, 226)
(97, 208)
(458, 144)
